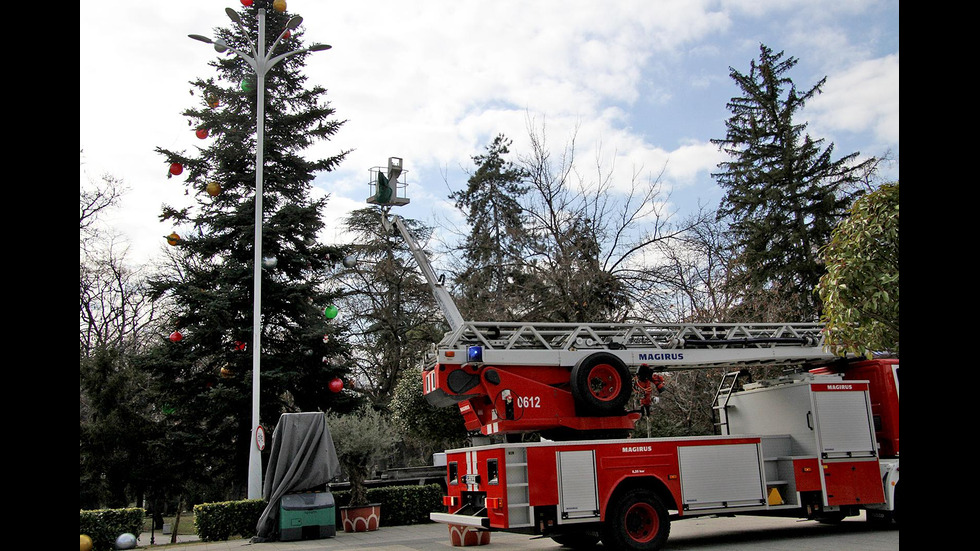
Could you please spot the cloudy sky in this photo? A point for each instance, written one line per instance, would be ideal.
(641, 84)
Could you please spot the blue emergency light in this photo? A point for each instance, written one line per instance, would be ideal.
(474, 354)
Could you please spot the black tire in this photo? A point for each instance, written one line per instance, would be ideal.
(638, 521)
(601, 385)
(576, 540)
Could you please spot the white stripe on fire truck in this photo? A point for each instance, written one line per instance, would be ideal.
(471, 468)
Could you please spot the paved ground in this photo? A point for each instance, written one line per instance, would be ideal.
(701, 534)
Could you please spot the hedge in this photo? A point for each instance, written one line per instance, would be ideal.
(400, 505)
(220, 520)
(104, 526)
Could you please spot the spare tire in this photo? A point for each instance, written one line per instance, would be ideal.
(601, 385)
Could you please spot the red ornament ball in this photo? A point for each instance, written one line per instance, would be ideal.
(336, 385)
(246, 3)
(239, 345)
(176, 168)
(176, 336)
(202, 133)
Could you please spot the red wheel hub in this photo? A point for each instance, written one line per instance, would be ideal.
(642, 522)
(604, 382)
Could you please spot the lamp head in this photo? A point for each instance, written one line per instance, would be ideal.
(233, 15)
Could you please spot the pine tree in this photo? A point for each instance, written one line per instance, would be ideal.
(492, 277)
(783, 191)
(205, 377)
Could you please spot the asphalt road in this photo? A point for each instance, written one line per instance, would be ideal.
(697, 534)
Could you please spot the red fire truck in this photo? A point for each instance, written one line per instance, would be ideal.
(821, 444)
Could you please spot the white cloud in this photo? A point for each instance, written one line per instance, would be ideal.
(862, 98)
(434, 81)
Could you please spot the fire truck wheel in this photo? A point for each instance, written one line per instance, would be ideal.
(601, 384)
(576, 541)
(638, 522)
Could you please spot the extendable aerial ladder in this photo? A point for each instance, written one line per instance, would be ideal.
(387, 191)
(573, 380)
(672, 346)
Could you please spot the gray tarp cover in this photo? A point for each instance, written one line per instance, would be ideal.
(302, 457)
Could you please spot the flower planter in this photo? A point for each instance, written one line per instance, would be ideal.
(361, 519)
(465, 536)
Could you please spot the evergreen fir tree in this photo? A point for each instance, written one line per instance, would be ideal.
(205, 377)
(783, 191)
(492, 279)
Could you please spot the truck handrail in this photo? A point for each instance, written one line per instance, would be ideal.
(567, 336)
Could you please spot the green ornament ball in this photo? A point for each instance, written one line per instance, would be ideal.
(330, 311)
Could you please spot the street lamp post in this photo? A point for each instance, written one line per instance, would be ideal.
(261, 65)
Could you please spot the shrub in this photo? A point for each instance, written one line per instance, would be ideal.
(104, 526)
(361, 438)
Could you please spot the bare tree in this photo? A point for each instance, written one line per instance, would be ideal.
(593, 242)
(694, 274)
(94, 200)
(114, 306)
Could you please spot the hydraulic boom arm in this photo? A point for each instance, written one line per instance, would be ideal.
(443, 298)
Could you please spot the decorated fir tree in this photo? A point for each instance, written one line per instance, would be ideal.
(204, 371)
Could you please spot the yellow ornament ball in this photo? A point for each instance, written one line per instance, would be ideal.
(214, 188)
(279, 5)
(85, 543)
(173, 238)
